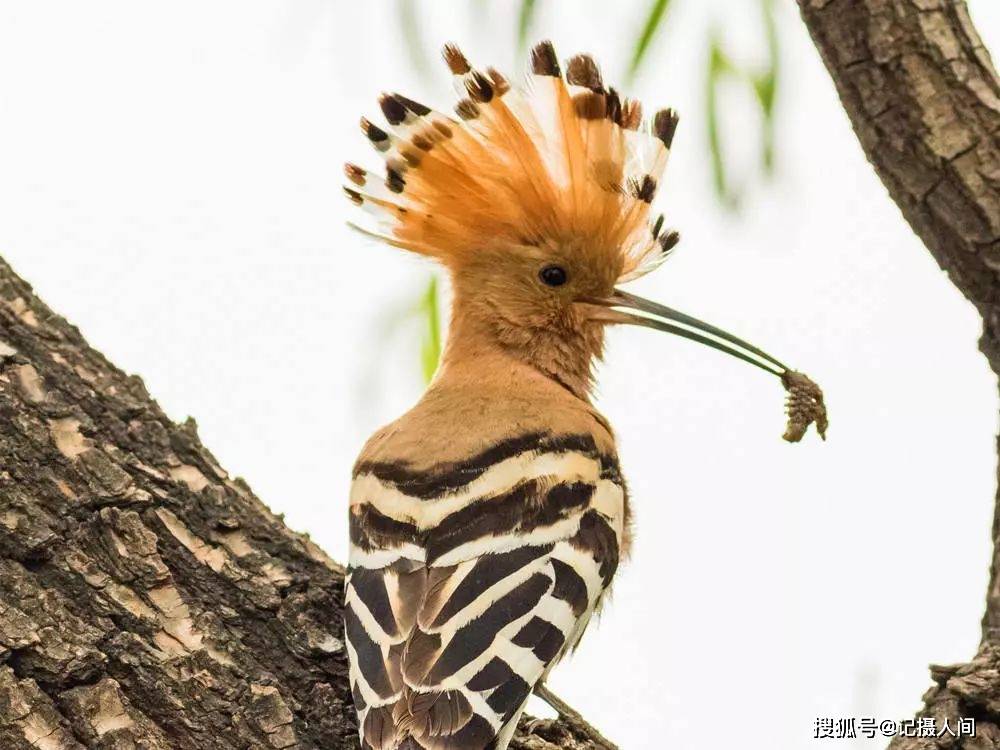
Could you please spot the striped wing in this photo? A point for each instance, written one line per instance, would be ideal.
(468, 583)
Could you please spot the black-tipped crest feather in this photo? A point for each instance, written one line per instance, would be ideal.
(643, 188)
(417, 108)
(669, 240)
(665, 125)
(479, 87)
(467, 109)
(544, 61)
(392, 109)
(551, 162)
(456, 61)
(581, 70)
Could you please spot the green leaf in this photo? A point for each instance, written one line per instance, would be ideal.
(763, 83)
(718, 67)
(430, 348)
(766, 86)
(657, 12)
(525, 21)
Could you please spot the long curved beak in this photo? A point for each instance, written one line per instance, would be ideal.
(663, 318)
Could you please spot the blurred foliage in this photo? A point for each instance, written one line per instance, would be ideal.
(430, 347)
(720, 69)
(766, 83)
(657, 13)
(525, 20)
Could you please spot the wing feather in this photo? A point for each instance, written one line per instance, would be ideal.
(447, 645)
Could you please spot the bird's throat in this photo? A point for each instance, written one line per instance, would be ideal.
(493, 348)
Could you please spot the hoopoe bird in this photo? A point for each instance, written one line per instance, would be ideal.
(487, 523)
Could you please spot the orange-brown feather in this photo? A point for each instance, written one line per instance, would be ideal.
(549, 163)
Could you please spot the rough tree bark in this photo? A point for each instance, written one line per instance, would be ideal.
(148, 600)
(924, 99)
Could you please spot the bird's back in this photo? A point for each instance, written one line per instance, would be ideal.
(484, 532)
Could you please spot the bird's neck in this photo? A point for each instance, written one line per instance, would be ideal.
(477, 343)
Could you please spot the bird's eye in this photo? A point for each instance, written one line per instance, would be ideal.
(553, 275)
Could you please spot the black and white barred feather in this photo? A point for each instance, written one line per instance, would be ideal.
(469, 581)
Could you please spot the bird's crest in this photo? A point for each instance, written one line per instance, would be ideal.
(563, 161)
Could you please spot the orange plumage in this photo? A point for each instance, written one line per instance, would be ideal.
(563, 163)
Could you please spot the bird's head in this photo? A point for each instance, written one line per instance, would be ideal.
(537, 200)
(532, 291)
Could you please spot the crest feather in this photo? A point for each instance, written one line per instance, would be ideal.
(564, 160)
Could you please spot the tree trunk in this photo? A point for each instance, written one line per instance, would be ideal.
(924, 99)
(147, 599)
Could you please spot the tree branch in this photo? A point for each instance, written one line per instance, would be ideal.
(924, 99)
(147, 598)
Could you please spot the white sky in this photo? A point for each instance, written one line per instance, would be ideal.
(170, 182)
